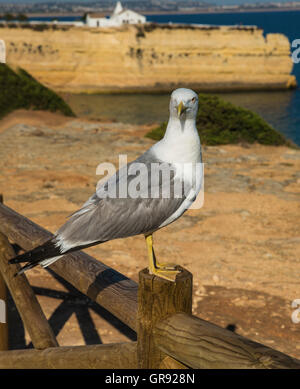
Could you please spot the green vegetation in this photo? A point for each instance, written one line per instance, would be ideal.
(22, 18)
(21, 90)
(10, 17)
(220, 122)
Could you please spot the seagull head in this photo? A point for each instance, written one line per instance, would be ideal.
(184, 104)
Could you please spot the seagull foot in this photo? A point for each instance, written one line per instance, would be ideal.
(166, 266)
(169, 275)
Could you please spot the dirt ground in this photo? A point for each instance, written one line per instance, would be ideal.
(242, 246)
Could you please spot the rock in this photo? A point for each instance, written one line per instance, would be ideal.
(83, 59)
(245, 213)
(216, 279)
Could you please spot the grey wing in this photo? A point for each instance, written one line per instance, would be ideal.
(105, 218)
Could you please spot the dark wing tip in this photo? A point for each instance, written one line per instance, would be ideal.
(26, 267)
(20, 258)
(13, 260)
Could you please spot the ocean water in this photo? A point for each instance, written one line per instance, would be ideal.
(280, 108)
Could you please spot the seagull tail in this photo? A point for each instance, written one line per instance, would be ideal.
(46, 254)
(42, 255)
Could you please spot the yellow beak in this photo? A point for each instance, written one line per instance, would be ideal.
(181, 108)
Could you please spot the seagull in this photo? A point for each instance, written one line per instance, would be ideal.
(104, 217)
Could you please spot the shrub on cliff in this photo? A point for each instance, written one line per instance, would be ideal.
(220, 122)
(21, 90)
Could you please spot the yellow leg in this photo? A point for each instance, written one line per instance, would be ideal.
(166, 271)
(163, 265)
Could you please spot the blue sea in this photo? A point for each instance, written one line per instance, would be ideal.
(280, 109)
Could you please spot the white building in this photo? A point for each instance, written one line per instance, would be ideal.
(118, 17)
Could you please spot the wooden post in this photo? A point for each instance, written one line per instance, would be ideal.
(3, 316)
(171, 363)
(26, 302)
(158, 298)
(3, 311)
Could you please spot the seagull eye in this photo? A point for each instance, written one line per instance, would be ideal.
(193, 99)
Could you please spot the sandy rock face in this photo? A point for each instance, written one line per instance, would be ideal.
(145, 58)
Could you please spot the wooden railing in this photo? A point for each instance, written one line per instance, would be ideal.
(168, 335)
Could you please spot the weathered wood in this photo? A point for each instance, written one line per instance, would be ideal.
(3, 312)
(3, 316)
(203, 345)
(102, 356)
(158, 298)
(26, 302)
(171, 363)
(111, 289)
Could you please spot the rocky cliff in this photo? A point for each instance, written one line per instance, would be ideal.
(151, 58)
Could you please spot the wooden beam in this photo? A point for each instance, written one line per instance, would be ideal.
(3, 316)
(158, 298)
(171, 363)
(29, 308)
(3, 311)
(109, 288)
(203, 345)
(102, 356)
